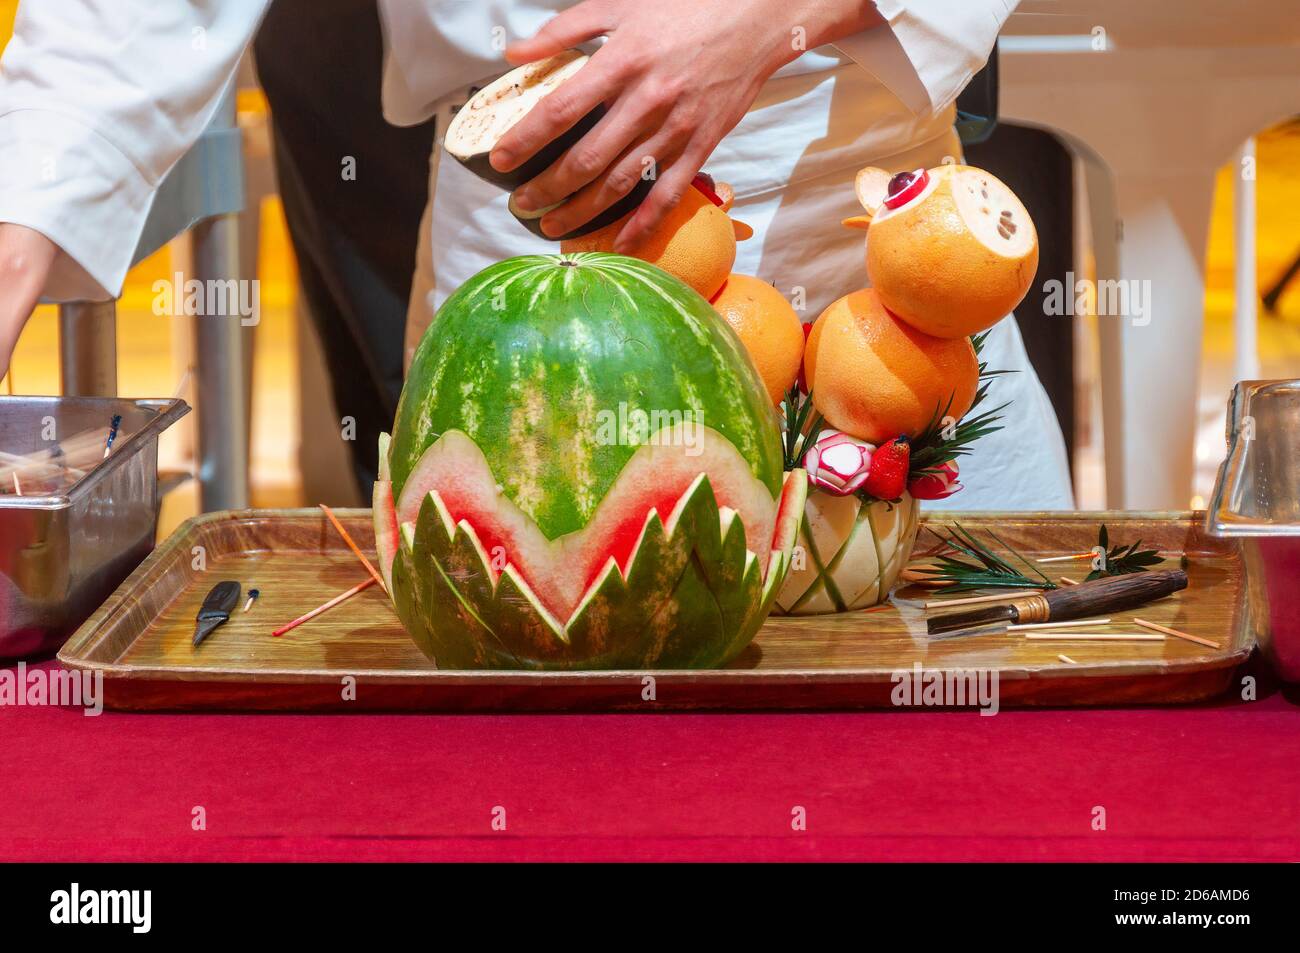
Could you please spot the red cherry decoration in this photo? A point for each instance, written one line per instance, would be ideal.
(906, 186)
(704, 182)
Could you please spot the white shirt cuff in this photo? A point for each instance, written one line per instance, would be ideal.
(928, 50)
(66, 181)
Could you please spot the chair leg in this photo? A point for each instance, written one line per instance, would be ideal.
(88, 348)
(223, 424)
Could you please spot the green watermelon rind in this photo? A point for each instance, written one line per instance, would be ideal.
(694, 596)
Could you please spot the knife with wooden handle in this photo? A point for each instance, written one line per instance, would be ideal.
(1109, 594)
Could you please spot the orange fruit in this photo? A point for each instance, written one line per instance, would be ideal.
(876, 377)
(695, 242)
(768, 327)
(955, 259)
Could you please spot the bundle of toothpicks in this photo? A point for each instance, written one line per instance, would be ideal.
(56, 467)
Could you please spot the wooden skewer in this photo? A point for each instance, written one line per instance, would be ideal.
(997, 597)
(1175, 633)
(1067, 581)
(920, 574)
(1062, 559)
(1095, 636)
(185, 379)
(374, 573)
(341, 597)
(1030, 626)
(1067, 659)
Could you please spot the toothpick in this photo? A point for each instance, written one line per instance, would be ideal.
(1067, 660)
(341, 597)
(1062, 559)
(185, 379)
(1067, 581)
(17, 486)
(1030, 626)
(1175, 633)
(1094, 637)
(998, 597)
(374, 573)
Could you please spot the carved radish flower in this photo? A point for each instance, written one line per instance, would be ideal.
(838, 463)
(936, 486)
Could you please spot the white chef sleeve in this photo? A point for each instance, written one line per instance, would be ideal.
(98, 99)
(928, 50)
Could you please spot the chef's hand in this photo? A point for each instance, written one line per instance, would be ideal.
(675, 75)
(25, 260)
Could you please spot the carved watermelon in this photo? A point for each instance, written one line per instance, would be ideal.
(584, 472)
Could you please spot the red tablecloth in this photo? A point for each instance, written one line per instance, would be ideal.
(1212, 782)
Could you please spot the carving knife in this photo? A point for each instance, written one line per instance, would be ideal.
(1097, 597)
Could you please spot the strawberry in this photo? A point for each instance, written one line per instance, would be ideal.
(887, 478)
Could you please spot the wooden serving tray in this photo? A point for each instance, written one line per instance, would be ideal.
(140, 638)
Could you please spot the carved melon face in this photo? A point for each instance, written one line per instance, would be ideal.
(950, 250)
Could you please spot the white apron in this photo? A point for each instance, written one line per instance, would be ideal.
(792, 162)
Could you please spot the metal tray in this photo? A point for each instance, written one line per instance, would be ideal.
(62, 555)
(1257, 500)
(357, 656)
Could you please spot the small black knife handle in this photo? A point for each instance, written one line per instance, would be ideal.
(220, 601)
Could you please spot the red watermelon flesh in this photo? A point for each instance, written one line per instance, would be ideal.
(560, 572)
(791, 509)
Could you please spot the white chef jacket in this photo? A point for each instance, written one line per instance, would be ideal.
(98, 99)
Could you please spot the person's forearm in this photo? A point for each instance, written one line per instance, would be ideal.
(25, 259)
(815, 23)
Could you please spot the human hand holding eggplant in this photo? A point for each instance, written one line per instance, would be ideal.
(675, 77)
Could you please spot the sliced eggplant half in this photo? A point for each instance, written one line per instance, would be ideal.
(533, 220)
(491, 112)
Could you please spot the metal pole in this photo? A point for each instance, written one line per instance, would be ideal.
(88, 348)
(222, 409)
(219, 361)
(1245, 312)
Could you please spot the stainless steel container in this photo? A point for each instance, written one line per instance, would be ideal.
(1257, 499)
(62, 555)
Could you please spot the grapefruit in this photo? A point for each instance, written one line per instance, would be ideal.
(695, 242)
(951, 250)
(876, 377)
(767, 326)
